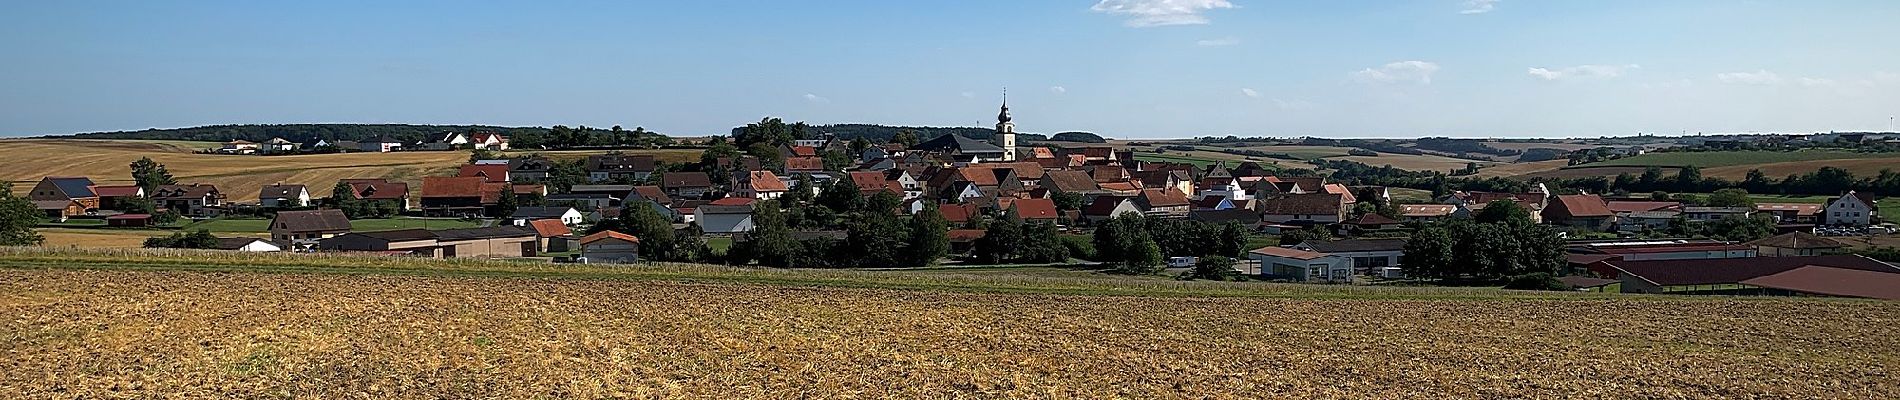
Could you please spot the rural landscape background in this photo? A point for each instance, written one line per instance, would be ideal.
(980, 199)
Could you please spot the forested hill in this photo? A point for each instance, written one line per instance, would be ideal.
(884, 133)
(305, 132)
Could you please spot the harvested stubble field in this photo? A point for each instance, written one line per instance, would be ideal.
(188, 331)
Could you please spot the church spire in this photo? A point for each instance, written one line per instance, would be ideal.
(1003, 116)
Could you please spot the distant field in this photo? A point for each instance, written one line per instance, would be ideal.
(663, 155)
(1521, 146)
(1414, 162)
(1714, 159)
(1197, 161)
(226, 326)
(1516, 169)
(98, 238)
(1859, 166)
(240, 177)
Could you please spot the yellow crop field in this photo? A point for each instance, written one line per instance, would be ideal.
(1414, 162)
(105, 331)
(239, 176)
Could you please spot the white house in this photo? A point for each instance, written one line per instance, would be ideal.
(283, 196)
(568, 215)
(239, 146)
(1301, 265)
(490, 141)
(279, 145)
(248, 244)
(610, 247)
(380, 145)
(1853, 208)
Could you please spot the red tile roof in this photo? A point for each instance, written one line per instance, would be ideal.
(804, 164)
(1340, 189)
(448, 186)
(1426, 210)
(604, 235)
(1373, 219)
(494, 172)
(1164, 197)
(1640, 206)
(1584, 205)
(732, 201)
(966, 235)
(116, 191)
(549, 227)
(869, 181)
(957, 212)
(1035, 208)
(804, 151)
(1735, 270)
(377, 189)
(765, 181)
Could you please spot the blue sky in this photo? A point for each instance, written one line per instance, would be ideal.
(1124, 68)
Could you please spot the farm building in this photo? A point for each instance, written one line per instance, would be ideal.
(1852, 209)
(247, 244)
(610, 247)
(308, 225)
(1797, 244)
(1368, 255)
(129, 220)
(1301, 265)
(501, 241)
(725, 216)
(1840, 274)
(196, 200)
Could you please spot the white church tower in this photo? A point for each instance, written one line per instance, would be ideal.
(1005, 136)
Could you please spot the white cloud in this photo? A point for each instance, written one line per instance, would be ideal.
(1759, 77)
(1249, 92)
(1583, 71)
(1816, 82)
(1886, 77)
(1479, 6)
(1292, 104)
(1226, 41)
(816, 98)
(1150, 13)
(1399, 72)
(968, 95)
(1058, 89)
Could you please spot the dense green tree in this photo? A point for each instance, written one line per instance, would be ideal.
(18, 216)
(1067, 201)
(1213, 268)
(1137, 249)
(769, 156)
(929, 238)
(837, 161)
(841, 196)
(1689, 179)
(858, 146)
(137, 205)
(770, 240)
(506, 204)
(876, 240)
(1295, 237)
(150, 174)
(1001, 243)
(1233, 240)
(1041, 244)
(800, 193)
(1504, 211)
(1431, 253)
(1730, 198)
(200, 239)
(907, 138)
(657, 239)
